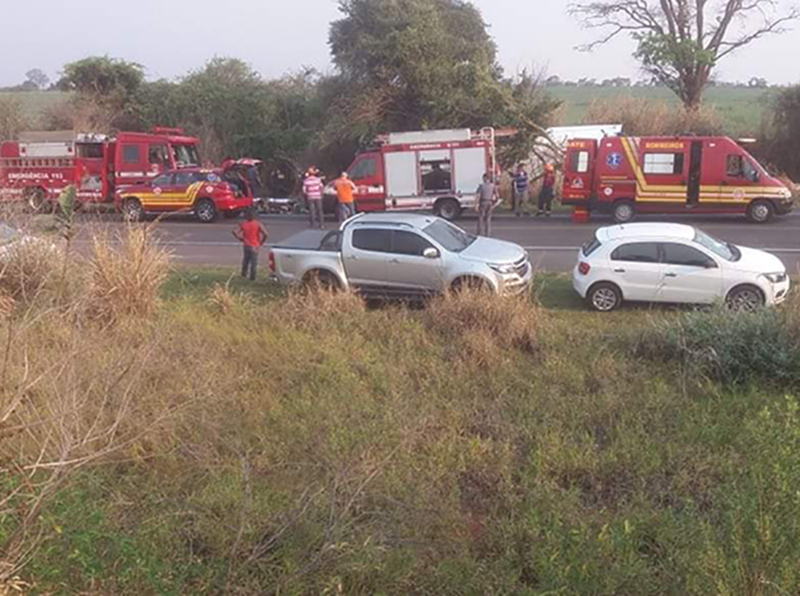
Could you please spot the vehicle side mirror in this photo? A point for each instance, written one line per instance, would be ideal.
(430, 253)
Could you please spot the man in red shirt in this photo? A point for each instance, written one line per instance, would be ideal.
(252, 235)
(547, 192)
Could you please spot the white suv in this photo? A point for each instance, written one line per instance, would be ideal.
(674, 263)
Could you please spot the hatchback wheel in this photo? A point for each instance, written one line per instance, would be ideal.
(604, 297)
(205, 210)
(745, 298)
(624, 212)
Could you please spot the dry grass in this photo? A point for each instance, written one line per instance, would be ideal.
(125, 274)
(652, 117)
(29, 267)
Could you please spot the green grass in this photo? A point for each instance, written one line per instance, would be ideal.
(474, 446)
(35, 102)
(741, 109)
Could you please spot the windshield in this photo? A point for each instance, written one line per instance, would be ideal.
(718, 247)
(185, 155)
(7, 234)
(451, 237)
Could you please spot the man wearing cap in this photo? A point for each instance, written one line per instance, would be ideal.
(344, 191)
(312, 189)
(487, 200)
(546, 194)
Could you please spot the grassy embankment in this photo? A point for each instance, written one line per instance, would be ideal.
(236, 439)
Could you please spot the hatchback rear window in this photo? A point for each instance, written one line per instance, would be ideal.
(590, 246)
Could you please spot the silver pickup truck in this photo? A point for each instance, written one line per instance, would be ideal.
(400, 255)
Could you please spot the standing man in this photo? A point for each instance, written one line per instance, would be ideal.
(521, 185)
(344, 191)
(487, 201)
(546, 194)
(312, 189)
(252, 235)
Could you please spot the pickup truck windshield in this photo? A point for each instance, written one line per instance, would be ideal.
(451, 237)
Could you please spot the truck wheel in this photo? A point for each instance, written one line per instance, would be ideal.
(760, 211)
(132, 210)
(448, 209)
(320, 280)
(37, 201)
(205, 210)
(624, 212)
(604, 297)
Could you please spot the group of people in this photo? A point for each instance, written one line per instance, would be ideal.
(313, 190)
(489, 198)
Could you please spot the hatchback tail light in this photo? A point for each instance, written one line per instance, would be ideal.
(584, 268)
(272, 261)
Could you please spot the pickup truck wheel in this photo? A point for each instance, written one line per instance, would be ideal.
(132, 210)
(624, 212)
(321, 280)
(471, 284)
(760, 211)
(448, 209)
(205, 211)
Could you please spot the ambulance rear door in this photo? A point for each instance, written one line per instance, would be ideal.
(579, 171)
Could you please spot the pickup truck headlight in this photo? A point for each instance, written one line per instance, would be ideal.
(504, 269)
(776, 278)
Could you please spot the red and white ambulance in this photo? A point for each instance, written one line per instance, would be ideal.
(40, 165)
(629, 175)
(434, 169)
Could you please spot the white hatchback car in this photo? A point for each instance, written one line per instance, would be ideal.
(674, 263)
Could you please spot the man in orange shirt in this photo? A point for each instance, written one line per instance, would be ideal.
(252, 235)
(344, 191)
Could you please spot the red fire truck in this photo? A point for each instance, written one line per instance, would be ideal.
(436, 169)
(629, 175)
(40, 165)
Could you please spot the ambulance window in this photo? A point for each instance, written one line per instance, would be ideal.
(366, 168)
(750, 171)
(579, 162)
(436, 175)
(734, 166)
(663, 163)
(636, 252)
(130, 154)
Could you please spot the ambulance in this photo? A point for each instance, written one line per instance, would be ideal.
(624, 176)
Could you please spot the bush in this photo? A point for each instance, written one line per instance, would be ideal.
(641, 117)
(125, 276)
(29, 267)
(728, 346)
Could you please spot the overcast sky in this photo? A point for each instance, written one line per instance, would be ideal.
(171, 37)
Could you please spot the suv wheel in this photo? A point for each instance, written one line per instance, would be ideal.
(132, 210)
(205, 210)
(448, 209)
(604, 297)
(624, 212)
(760, 211)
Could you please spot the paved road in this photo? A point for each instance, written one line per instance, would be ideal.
(551, 242)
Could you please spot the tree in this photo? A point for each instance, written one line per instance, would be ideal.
(37, 77)
(12, 118)
(783, 148)
(421, 64)
(680, 42)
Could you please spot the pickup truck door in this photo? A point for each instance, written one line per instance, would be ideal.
(409, 269)
(366, 256)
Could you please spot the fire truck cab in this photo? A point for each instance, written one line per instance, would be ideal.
(40, 165)
(629, 175)
(435, 169)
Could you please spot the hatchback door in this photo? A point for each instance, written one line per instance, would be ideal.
(366, 257)
(409, 269)
(636, 269)
(690, 275)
